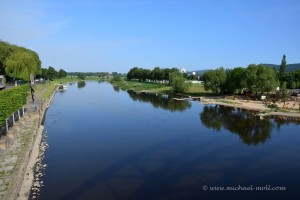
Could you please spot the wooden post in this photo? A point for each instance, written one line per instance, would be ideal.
(6, 123)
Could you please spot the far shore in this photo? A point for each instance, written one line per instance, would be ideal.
(291, 108)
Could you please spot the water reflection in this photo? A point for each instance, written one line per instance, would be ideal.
(249, 127)
(116, 88)
(160, 101)
(81, 84)
(283, 120)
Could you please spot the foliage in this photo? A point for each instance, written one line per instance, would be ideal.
(235, 81)
(21, 64)
(51, 73)
(157, 74)
(142, 86)
(116, 78)
(293, 79)
(260, 78)
(81, 76)
(178, 82)
(214, 80)
(18, 62)
(11, 100)
(255, 78)
(61, 73)
(282, 69)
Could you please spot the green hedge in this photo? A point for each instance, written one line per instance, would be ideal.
(11, 100)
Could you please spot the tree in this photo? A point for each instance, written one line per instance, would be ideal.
(235, 81)
(282, 69)
(61, 73)
(81, 76)
(260, 79)
(6, 50)
(51, 73)
(132, 73)
(21, 64)
(215, 80)
(177, 82)
(145, 73)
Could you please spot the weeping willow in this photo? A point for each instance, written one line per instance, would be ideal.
(21, 64)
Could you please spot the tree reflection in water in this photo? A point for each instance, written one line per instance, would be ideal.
(116, 88)
(250, 128)
(81, 84)
(160, 101)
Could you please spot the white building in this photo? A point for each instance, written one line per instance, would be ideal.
(183, 70)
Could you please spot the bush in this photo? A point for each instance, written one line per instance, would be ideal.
(178, 83)
(11, 100)
(272, 106)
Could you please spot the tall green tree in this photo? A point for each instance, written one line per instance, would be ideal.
(215, 80)
(51, 73)
(81, 76)
(61, 73)
(235, 81)
(260, 79)
(282, 69)
(177, 82)
(21, 64)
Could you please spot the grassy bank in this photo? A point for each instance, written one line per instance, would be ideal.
(195, 89)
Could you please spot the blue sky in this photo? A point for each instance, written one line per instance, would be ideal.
(116, 35)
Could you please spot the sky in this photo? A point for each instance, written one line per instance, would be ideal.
(116, 35)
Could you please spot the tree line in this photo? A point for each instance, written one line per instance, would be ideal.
(157, 74)
(257, 79)
(50, 73)
(170, 76)
(19, 63)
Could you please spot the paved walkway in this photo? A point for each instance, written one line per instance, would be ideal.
(15, 149)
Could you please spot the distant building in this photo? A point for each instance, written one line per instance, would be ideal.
(183, 70)
(193, 73)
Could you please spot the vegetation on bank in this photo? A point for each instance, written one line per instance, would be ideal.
(168, 76)
(255, 79)
(19, 63)
(11, 100)
(135, 85)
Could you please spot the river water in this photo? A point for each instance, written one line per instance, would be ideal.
(105, 143)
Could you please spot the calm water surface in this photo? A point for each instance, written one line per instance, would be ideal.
(110, 144)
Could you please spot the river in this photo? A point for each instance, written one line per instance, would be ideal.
(105, 143)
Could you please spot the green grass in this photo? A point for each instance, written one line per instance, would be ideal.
(143, 86)
(195, 89)
(198, 90)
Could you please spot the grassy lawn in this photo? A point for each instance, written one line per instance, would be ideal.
(195, 89)
(143, 86)
(198, 90)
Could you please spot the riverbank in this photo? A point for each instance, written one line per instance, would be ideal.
(36, 153)
(21, 146)
(290, 109)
